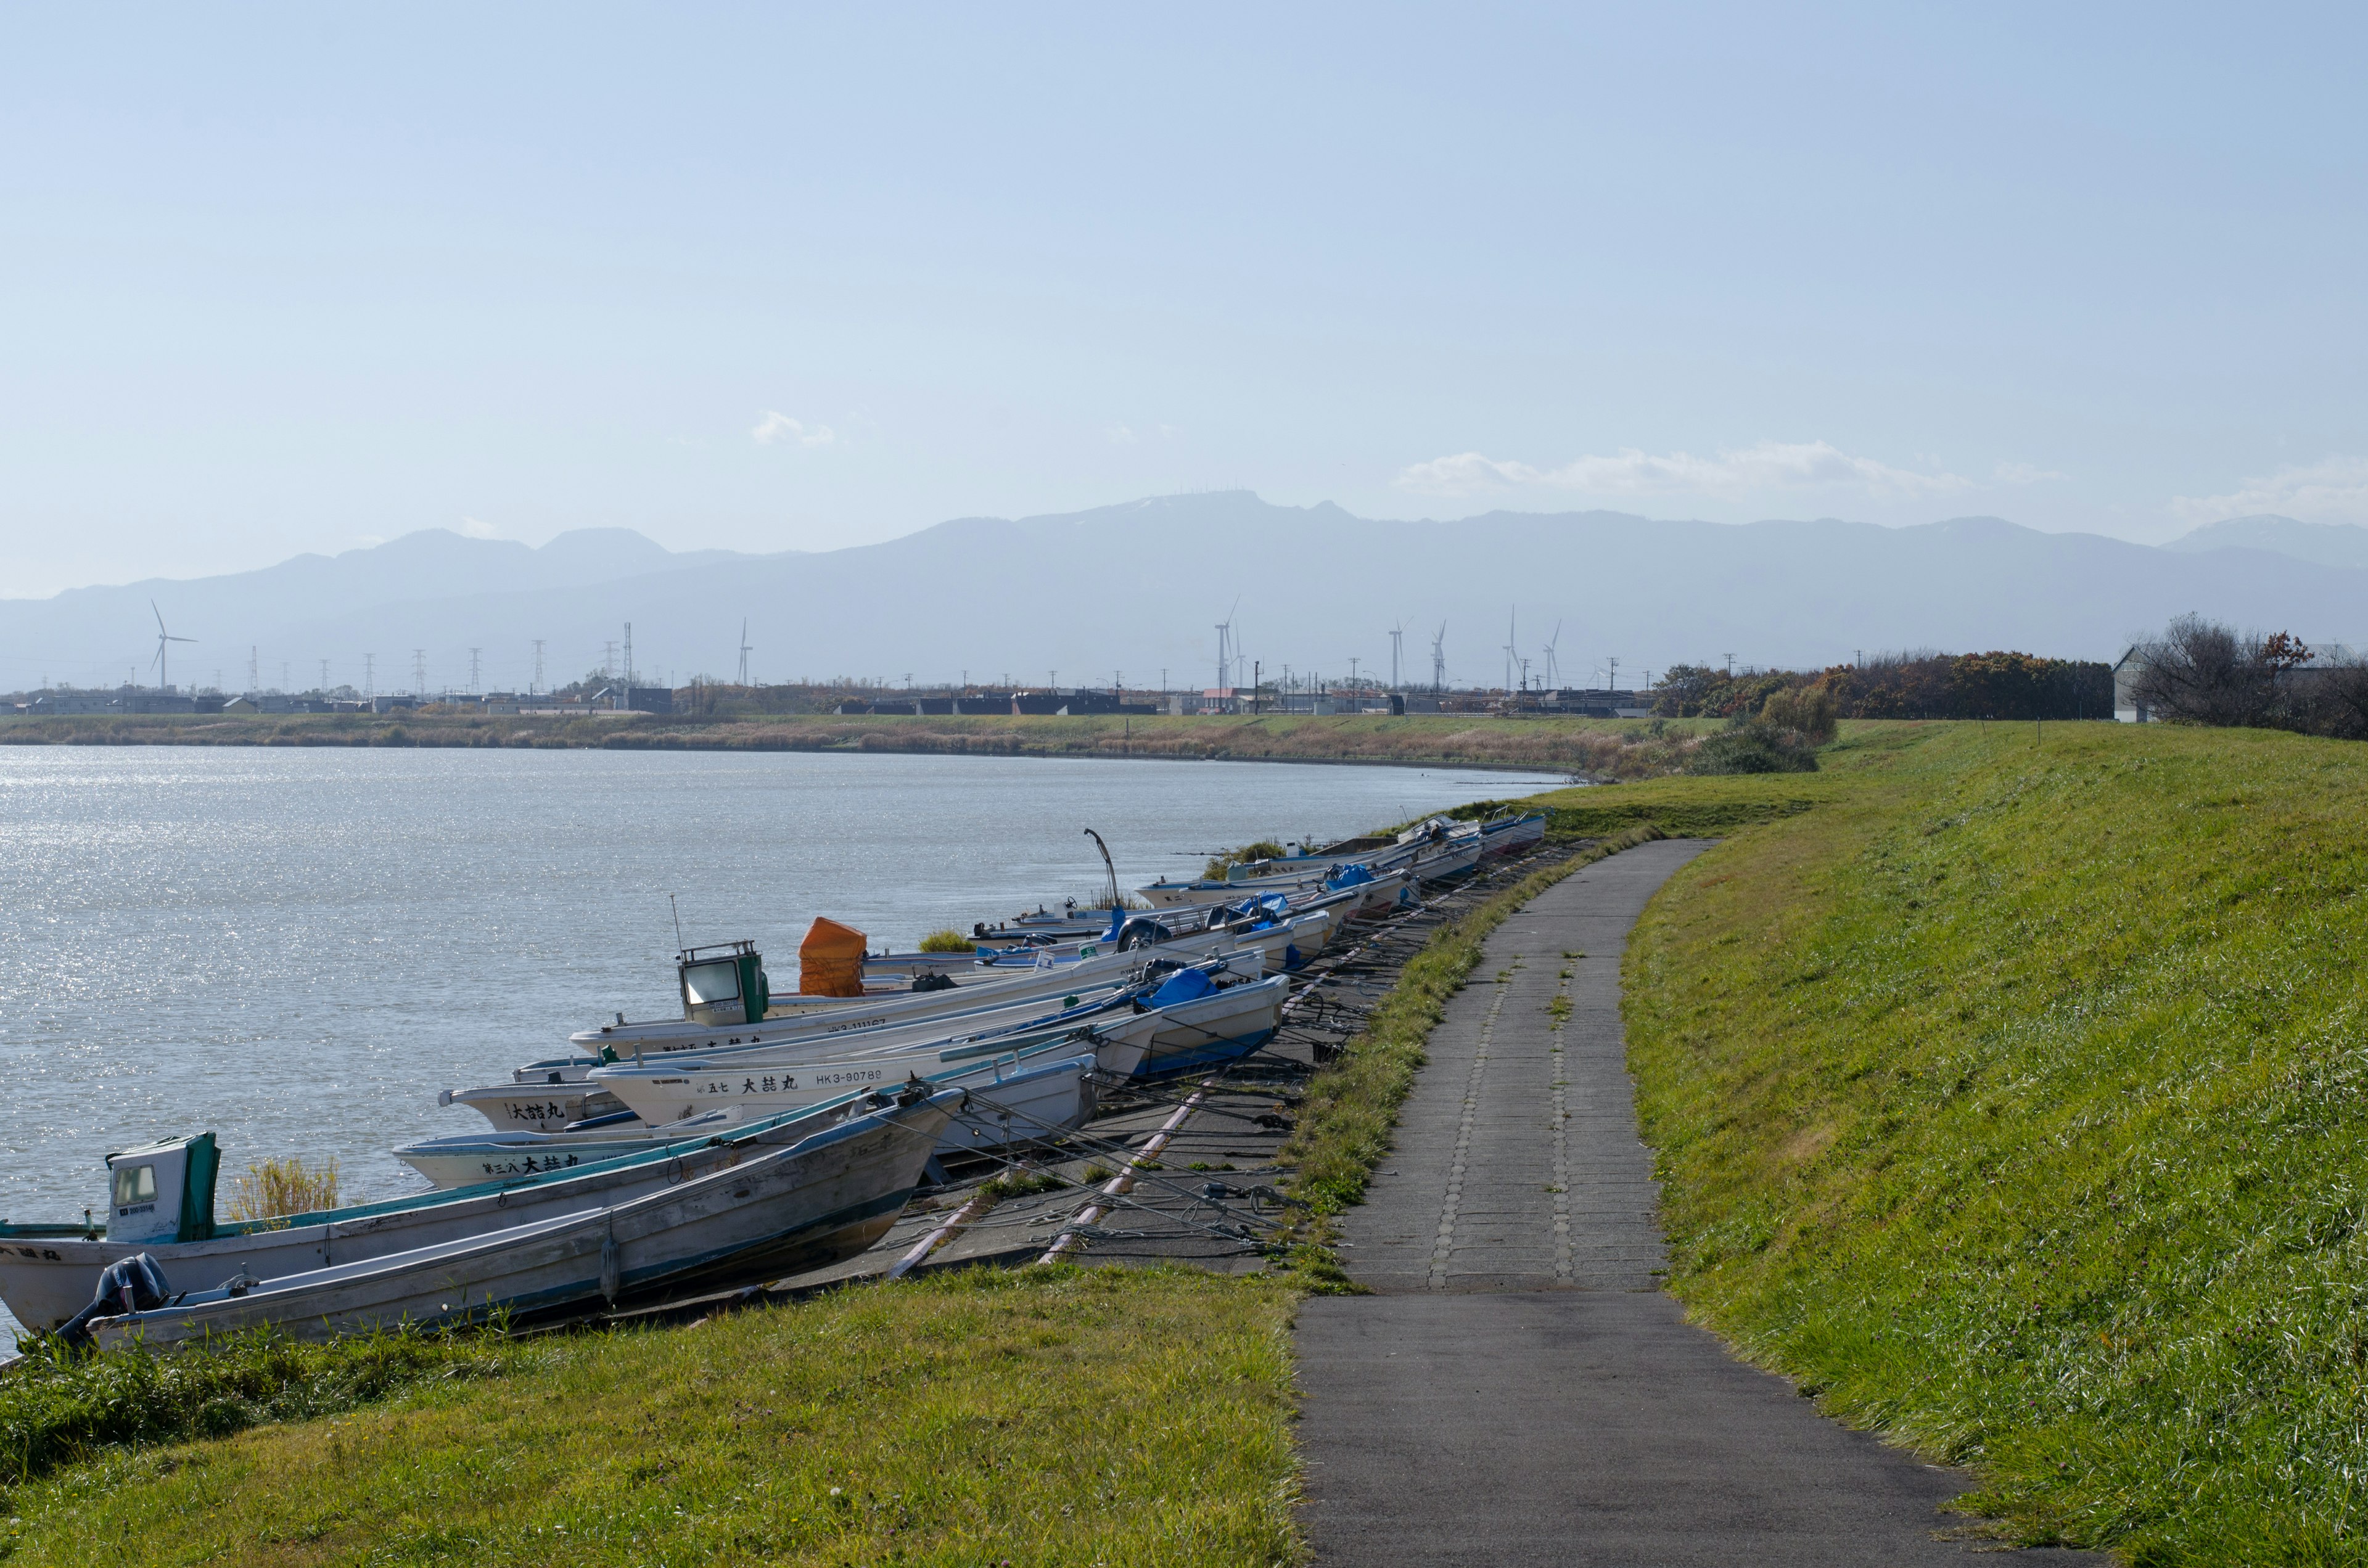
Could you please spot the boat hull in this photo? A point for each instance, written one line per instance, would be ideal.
(48, 1273)
(787, 1211)
(1039, 1102)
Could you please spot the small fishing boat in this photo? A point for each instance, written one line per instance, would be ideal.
(566, 1080)
(164, 1204)
(1507, 835)
(1191, 1020)
(775, 1212)
(816, 1017)
(1021, 1095)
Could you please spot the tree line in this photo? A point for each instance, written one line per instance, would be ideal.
(1998, 684)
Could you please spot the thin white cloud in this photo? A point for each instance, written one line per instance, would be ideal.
(2332, 488)
(775, 428)
(1770, 465)
(472, 528)
(2024, 473)
(1121, 435)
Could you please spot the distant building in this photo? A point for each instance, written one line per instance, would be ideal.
(55, 702)
(2127, 670)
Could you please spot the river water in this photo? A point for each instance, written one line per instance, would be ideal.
(296, 948)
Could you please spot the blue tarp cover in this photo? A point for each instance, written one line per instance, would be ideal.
(1184, 985)
(1348, 877)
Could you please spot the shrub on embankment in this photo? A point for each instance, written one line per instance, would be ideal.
(2016, 1101)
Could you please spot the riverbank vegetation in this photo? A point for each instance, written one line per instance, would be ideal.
(2011, 1099)
(1611, 748)
(1051, 1416)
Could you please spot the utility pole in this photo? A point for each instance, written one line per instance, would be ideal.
(1730, 667)
(419, 672)
(628, 664)
(369, 676)
(1613, 685)
(1258, 679)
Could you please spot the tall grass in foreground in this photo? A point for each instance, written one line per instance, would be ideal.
(2017, 1103)
(1060, 1416)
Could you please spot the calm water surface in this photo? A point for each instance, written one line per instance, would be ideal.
(295, 950)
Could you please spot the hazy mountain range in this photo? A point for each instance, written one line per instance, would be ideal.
(1140, 587)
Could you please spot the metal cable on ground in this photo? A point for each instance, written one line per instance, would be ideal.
(1113, 1147)
(1121, 1182)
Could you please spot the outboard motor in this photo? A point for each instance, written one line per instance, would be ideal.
(163, 1191)
(134, 1284)
(1143, 934)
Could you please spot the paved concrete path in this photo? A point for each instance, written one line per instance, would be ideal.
(1520, 1391)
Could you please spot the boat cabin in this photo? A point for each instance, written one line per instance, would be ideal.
(726, 983)
(163, 1191)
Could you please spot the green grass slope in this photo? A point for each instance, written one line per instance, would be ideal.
(2015, 1098)
(1057, 1416)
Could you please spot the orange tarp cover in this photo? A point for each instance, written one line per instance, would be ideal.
(830, 960)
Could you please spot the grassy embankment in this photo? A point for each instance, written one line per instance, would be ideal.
(1600, 748)
(2015, 1099)
(1052, 1416)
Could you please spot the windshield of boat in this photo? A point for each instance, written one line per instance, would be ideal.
(715, 982)
(135, 1184)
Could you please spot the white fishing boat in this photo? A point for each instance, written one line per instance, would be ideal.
(1507, 836)
(819, 1016)
(781, 1211)
(164, 1205)
(1199, 1023)
(1034, 1093)
(566, 1080)
(541, 1096)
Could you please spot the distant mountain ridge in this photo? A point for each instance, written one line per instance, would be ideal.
(1139, 588)
(2329, 544)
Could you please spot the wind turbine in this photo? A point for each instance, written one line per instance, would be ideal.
(164, 672)
(1512, 621)
(1224, 631)
(1553, 677)
(745, 649)
(1397, 642)
(1438, 658)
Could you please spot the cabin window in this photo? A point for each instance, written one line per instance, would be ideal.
(705, 982)
(135, 1184)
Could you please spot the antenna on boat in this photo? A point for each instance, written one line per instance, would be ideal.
(1107, 864)
(677, 922)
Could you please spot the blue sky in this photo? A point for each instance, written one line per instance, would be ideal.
(282, 278)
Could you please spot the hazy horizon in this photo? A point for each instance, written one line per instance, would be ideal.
(765, 280)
